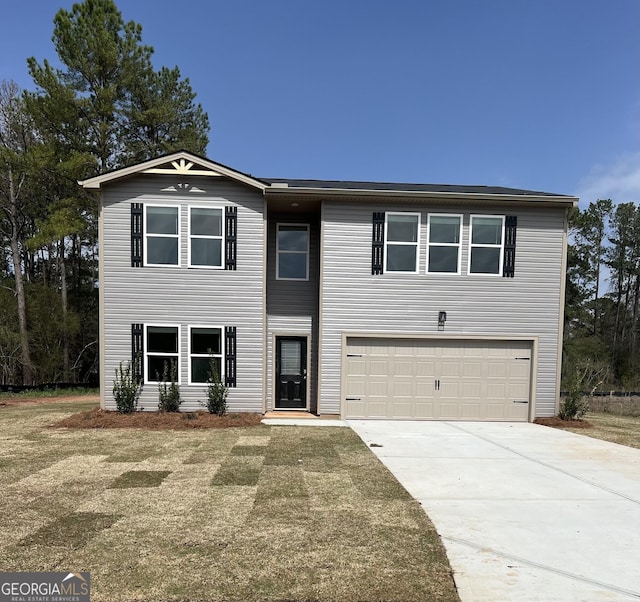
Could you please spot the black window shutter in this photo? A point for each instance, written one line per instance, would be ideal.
(137, 351)
(377, 244)
(136, 235)
(230, 356)
(231, 227)
(509, 260)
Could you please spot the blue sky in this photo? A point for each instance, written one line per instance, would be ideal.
(538, 94)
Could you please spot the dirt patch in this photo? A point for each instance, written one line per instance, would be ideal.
(30, 401)
(155, 421)
(562, 424)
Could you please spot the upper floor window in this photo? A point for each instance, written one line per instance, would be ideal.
(401, 242)
(205, 237)
(444, 240)
(162, 235)
(162, 358)
(486, 244)
(205, 350)
(293, 252)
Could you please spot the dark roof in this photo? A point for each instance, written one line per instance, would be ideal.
(396, 186)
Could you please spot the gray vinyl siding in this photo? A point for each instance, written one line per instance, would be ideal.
(292, 306)
(183, 296)
(527, 305)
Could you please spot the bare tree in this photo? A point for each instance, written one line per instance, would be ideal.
(16, 137)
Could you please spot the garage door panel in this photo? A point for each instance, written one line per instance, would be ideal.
(377, 409)
(497, 390)
(402, 410)
(356, 366)
(496, 411)
(496, 369)
(356, 388)
(379, 367)
(449, 411)
(424, 409)
(424, 367)
(403, 388)
(377, 388)
(471, 411)
(404, 367)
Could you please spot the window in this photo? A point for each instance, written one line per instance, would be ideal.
(293, 252)
(205, 237)
(443, 248)
(401, 242)
(161, 235)
(487, 236)
(205, 346)
(161, 353)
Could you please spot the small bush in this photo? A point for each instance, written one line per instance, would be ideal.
(126, 388)
(216, 392)
(576, 404)
(169, 390)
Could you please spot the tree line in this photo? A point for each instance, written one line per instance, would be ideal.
(105, 107)
(602, 309)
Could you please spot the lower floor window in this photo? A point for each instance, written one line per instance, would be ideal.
(162, 358)
(205, 349)
(211, 353)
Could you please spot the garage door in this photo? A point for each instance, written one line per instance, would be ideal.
(408, 379)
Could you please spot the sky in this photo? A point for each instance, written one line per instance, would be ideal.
(535, 94)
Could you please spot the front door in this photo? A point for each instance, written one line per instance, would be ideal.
(291, 373)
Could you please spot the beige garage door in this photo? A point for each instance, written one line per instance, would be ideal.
(437, 379)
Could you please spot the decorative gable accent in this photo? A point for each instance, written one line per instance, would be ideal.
(182, 167)
(136, 235)
(509, 259)
(230, 356)
(231, 228)
(377, 244)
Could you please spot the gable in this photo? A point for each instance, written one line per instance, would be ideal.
(181, 164)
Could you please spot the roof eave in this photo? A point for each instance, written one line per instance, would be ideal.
(568, 201)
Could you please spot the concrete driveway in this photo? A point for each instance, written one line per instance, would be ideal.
(526, 512)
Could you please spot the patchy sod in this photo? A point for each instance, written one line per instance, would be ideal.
(258, 513)
(140, 478)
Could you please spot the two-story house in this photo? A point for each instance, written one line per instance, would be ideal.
(357, 299)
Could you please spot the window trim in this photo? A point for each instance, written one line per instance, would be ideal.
(190, 237)
(147, 353)
(398, 243)
(146, 235)
(486, 246)
(222, 353)
(460, 216)
(278, 251)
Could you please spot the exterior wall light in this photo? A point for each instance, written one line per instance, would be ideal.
(442, 318)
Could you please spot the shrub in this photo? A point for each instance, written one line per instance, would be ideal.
(126, 388)
(576, 403)
(216, 392)
(169, 390)
(574, 406)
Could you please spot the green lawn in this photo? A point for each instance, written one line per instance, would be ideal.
(260, 513)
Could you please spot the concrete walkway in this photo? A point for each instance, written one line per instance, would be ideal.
(525, 512)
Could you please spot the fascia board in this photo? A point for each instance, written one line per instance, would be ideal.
(365, 194)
